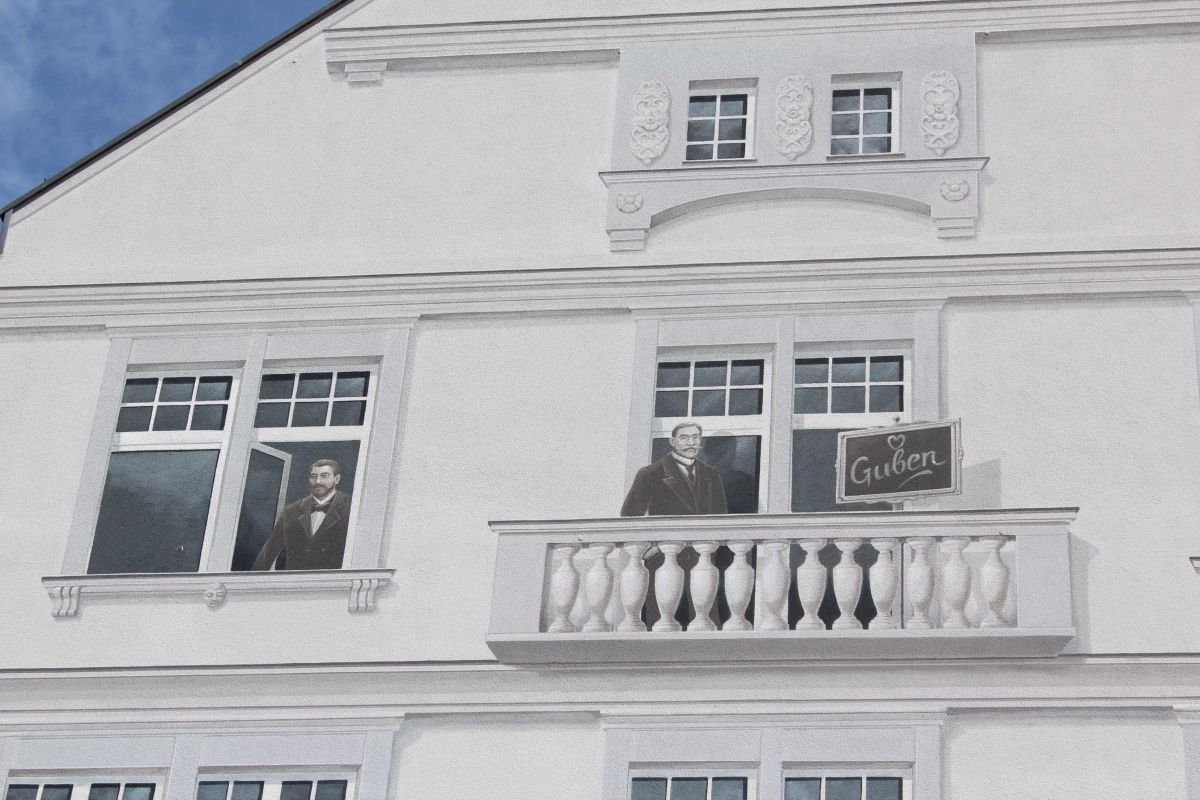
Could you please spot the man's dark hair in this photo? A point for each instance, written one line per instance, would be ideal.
(326, 462)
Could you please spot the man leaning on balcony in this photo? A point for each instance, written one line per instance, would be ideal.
(679, 482)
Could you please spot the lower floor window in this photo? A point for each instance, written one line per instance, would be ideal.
(844, 787)
(106, 790)
(248, 789)
(689, 788)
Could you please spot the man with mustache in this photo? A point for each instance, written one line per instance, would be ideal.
(678, 483)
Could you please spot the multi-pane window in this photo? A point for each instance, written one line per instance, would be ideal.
(709, 388)
(863, 121)
(312, 399)
(849, 385)
(272, 790)
(177, 403)
(719, 125)
(845, 786)
(100, 790)
(690, 787)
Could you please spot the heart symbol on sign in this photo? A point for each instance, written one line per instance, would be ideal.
(896, 441)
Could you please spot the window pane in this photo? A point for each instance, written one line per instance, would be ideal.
(134, 418)
(276, 387)
(699, 152)
(674, 373)
(802, 789)
(139, 390)
(208, 417)
(887, 368)
(883, 789)
(153, 511)
(736, 460)
(647, 789)
(814, 453)
(138, 791)
(733, 105)
(877, 98)
(731, 150)
(877, 144)
(309, 415)
(331, 790)
(845, 124)
(26, 792)
(848, 399)
(214, 387)
(171, 418)
(104, 791)
(849, 370)
(700, 130)
(732, 129)
(812, 400)
(176, 390)
(352, 384)
(887, 398)
(746, 373)
(315, 384)
(689, 788)
(348, 412)
(212, 790)
(845, 147)
(845, 100)
(812, 370)
(57, 792)
(670, 404)
(272, 415)
(246, 790)
(843, 789)
(728, 789)
(710, 373)
(296, 790)
(702, 106)
(708, 403)
(877, 123)
(745, 401)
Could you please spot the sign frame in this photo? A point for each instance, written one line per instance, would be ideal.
(955, 486)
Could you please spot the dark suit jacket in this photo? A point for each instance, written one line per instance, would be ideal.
(661, 489)
(308, 549)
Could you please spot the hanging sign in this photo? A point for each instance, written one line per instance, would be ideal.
(900, 461)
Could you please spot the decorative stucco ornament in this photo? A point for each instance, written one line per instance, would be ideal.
(629, 203)
(214, 594)
(651, 104)
(955, 190)
(939, 105)
(793, 112)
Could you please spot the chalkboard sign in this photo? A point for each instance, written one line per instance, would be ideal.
(900, 461)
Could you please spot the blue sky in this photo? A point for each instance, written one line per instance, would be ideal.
(76, 73)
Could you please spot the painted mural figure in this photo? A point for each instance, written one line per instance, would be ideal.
(679, 482)
(311, 532)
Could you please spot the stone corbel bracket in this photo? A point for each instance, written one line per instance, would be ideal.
(359, 586)
(946, 189)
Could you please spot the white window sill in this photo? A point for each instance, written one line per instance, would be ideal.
(214, 588)
(864, 156)
(714, 162)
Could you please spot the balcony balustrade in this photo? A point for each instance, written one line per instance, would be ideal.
(871, 584)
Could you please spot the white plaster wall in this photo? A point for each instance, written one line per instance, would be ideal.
(1036, 755)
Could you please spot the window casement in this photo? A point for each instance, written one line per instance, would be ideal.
(276, 786)
(879, 783)
(864, 118)
(720, 121)
(57, 788)
(691, 784)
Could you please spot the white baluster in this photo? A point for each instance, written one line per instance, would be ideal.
(847, 584)
(704, 586)
(956, 582)
(564, 585)
(919, 579)
(598, 583)
(635, 580)
(810, 584)
(739, 583)
(883, 585)
(773, 574)
(993, 582)
(668, 587)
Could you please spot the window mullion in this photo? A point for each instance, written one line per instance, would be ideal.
(779, 448)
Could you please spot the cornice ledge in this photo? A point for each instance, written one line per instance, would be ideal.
(214, 588)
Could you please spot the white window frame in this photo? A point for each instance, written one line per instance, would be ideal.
(82, 781)
(671, 771)
(861, 83)
(902, 770)
(864, 419)
(719, 89)
(273, 779)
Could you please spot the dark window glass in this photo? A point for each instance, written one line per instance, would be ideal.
(296, 790)
(802, 789)
(139, 390)
(812, 370)
(843, 789)
(745, 401)
(708, 403)
(732, 129)
(670, 404)
(731, 151)
(849, 370)
(845, 100)
(352, 384)
(728, 789)
(309, 415)
(315, 384)
(673, 374)
(689, 788)
(710, 373)
(736, 460)
(331, 790)
(644, 789)
(246, 790)
(276, 387)
(171, 418)
(348, 412)
(272, 415)
(845, 147)
(212, 790)
(153, 511)
(887, 368)
(887, 398)
(699, 152)
(746, 373)
(874, 99)
(21, 791)
(215, 387)
(845, 124)
(877, 123)
(883, 788)
(134, 418)
(814, 473)
(812, 400)
(105, 791)
(208, 417)
(60, 791)
(877, 144)
(848, 399)
(138, 791)
(702, 106)
(733, 105)
(176, 390)
(700, 130)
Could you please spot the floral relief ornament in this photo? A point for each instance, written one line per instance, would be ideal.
(955, 190)
(629, 203)
(651, 104)
(939, 99)
(793, 111)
